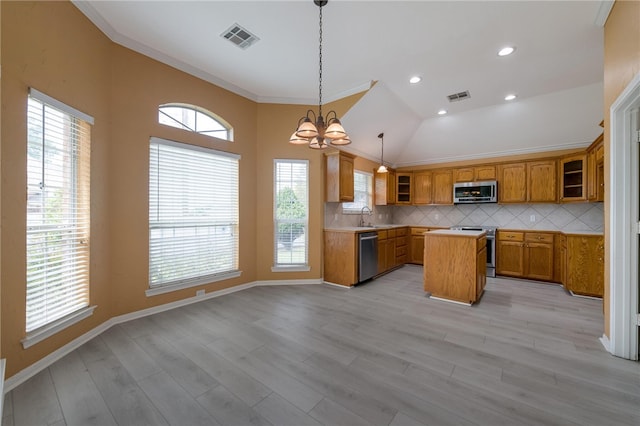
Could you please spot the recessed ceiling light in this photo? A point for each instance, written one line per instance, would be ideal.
(505, 51)
(442, 112)
(510, 97)
(415, 79)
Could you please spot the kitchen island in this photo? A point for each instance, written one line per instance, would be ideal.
(455, 265)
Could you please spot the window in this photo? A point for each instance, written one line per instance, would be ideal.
(291, 215)
(194, 119)
(362, 193)
(193, 215)
(58, 173)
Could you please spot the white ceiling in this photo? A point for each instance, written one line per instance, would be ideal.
(556, 71)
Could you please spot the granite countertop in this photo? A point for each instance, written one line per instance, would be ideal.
(456, 233)
(601, 233)
(358, 229)
(382, 227)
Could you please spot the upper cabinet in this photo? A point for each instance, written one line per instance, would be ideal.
(595, 170)
(339, 179)
(573, 178)
(474, 174)
(403, 188)
(442, 187)
(527, 182)
(422, 187)
(385, 187)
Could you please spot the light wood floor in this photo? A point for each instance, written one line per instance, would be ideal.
(381, 353)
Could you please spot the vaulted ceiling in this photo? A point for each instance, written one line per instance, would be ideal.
(556, 70)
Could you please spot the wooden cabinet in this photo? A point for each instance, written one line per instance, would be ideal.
(382, 251)
(474, 174)
(422, 187)
(559, 258)
(385, 188)
(585, 265)
(541, 182)
(525, 254)
(403, 188)
(341, 257)
(402, 251)
(416, 245)
(455, 265)
(512, 183)
(339, 177)
(443, 186)
(595, 170)
(573, 178)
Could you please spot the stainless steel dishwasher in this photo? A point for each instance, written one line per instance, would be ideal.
(368, 255)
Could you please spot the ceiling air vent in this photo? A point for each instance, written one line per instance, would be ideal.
(459, 96)
(239, 36)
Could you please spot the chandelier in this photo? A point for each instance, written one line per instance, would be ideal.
(320, 134)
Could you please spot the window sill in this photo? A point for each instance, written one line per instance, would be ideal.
(296, 268)
(49, 330)
(168, 288)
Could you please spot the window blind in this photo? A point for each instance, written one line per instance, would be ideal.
(193, 213)
(58, 210)
(362, 193)
(291, 203)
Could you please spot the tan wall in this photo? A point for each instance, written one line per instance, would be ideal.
(621, 65)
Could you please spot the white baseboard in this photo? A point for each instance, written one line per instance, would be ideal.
(344, 287)
(3, 365)
(605, 342)
(25, 374)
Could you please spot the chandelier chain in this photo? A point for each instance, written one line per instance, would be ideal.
(320, 61)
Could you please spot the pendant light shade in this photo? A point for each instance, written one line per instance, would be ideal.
(315, 132)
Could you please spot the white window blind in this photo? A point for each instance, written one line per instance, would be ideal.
(362, 193)
(58, 210)
(291, 204)
(193, 213)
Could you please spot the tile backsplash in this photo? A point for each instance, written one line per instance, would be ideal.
(551, 217)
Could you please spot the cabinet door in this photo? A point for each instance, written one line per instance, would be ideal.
(339, 177)
(403, 188)
(417, 249)
(384, 188)
(541, 181)
(442, 187)
(346, 179)
(592, 184)
(510, 256)
(539, 261)
(422, 187)
(573, 178)
(481, 272)
(391, 187)
(463, 175)
(485, 173)
(585, 272)
(382, 256)
(391, 253)
(512, 183)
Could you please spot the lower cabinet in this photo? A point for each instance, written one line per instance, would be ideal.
(416, 245)
(585, 265)
(402, 251)
(341, 257)
(525, 254)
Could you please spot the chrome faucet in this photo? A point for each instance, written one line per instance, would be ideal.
(361, 223)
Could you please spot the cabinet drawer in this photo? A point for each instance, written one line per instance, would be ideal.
(418, 231)
(382, 235)
(401, 232)
(401, 241)
(510, 236)
(538, 237)
(401, 251)
(391, 233)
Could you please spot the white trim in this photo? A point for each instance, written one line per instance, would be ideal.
(162, 289)
(44, 332)
(605, 342)
(184, 145)
(449, 300)
(603, 12)
(36, 94)
(289, 282)
(293, 268)
(344, 287)
(3, 368)
(623, 207)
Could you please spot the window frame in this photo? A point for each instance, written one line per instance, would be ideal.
(182, 222)
(356, 207)
(293, 266)
(197, 110)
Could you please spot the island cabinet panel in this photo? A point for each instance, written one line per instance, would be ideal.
(585, 265)
(422, 187)
(542, 185)
(512, 183)
(341, 258)
(339, 177)
(455, 266)
(443, 187)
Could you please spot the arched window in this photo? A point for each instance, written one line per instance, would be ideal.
(194, 119)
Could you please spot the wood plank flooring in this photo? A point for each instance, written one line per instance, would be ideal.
(379, 354)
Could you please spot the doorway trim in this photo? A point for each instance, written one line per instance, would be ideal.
(623, 223)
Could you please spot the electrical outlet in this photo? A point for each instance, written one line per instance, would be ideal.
(532, 218)
(200, 293)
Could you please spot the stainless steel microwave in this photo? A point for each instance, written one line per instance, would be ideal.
(475, 192)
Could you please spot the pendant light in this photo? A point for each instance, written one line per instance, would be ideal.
(382, 168)
(315, 132)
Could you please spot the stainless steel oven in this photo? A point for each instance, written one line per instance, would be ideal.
(491, 245)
